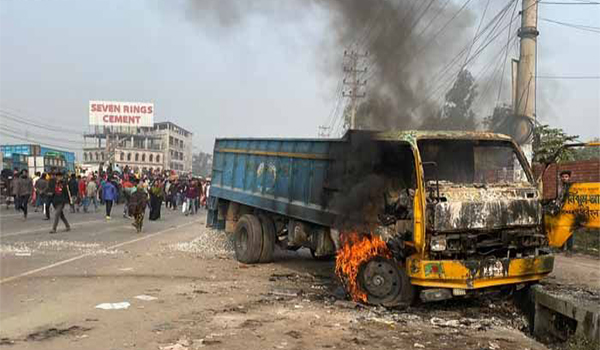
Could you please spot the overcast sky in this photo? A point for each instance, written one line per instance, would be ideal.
(265, 76)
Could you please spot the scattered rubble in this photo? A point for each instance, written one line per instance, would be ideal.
(209, 244)
(55, 332)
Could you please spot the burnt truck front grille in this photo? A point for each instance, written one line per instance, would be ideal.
(496, 243)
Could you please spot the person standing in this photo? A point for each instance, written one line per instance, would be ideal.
(41, 186)
(60, 197)
(49, 194)
(109, 194)
(74, 190)
(563, 192)
(137, 206)
(81, 183)
(156, 198)
(91, 193)
(34, 197)
(128, 190)
(23, 190)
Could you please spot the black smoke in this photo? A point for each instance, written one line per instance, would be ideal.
(401, 37)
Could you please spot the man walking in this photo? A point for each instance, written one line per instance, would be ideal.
(49, 195)
(109, 194)
(60, 197)
(91, 191)
(74, 191)
(23, 190)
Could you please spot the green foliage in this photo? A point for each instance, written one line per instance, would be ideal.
(587, 153)
(497, 122)
(457, 113)
(548, 141)
(202, 164)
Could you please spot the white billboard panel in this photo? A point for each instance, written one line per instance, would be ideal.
(111, 113)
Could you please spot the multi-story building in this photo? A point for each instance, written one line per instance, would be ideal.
(36, 158)
(163, 146)
(177, 146)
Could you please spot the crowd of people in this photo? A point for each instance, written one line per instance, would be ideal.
(55, 190)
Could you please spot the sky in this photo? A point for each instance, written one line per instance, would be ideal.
(264, 75)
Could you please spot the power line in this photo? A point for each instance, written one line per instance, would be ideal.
(39, 136)
(568, 3)
(505, 56)
(18, 137)
(19, 117)
(566, 77)
(574, 26)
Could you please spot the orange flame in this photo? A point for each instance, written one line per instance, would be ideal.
(356, 250)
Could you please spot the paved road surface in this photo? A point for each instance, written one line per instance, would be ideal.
(50, 286)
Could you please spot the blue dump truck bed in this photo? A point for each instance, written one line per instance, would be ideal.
(284, 176)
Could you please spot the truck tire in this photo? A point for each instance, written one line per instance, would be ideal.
(268, 239)
(386, 283)
(248, 239)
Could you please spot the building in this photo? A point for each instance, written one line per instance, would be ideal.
(177, 148)
(35, 158)
(163, 146)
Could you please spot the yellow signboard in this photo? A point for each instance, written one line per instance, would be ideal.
(579, 207)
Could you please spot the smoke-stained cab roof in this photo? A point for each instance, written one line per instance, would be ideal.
(415, 135)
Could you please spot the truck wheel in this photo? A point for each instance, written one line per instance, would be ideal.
(268, 239)
(248, 239)
(386, 283)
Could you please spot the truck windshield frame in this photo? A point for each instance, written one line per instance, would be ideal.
(474, 162)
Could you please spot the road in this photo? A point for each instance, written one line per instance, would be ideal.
(201, 297)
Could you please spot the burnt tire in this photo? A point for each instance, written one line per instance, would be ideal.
(248, 239)
(386, 283)
(269, 238)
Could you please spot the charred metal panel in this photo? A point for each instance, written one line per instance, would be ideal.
(500, 213)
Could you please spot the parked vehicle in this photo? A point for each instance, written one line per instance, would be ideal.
(460, 212)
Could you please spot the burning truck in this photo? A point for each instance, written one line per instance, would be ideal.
(407, 214)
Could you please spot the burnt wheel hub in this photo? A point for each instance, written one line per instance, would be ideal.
(379, 278)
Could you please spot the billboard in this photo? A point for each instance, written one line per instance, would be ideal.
(111, 113)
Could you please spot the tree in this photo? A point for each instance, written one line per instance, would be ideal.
(499, 120)
(456, 112)
(202, 164)
(548, 141)
(587, 153)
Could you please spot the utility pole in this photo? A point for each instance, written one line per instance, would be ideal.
(354, 82)
(524, 97)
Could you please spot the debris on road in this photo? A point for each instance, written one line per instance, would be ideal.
(55, 332)
(113, 306)
(210, 244)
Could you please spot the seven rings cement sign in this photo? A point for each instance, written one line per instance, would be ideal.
(110, 113)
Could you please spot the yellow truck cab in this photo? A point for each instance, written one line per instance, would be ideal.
(477, 220)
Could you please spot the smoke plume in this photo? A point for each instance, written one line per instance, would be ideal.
(401, 38)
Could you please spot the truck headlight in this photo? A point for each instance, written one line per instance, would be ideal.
(438, 244)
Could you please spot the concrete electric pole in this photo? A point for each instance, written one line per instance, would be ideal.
(354, 82)
(524, 96)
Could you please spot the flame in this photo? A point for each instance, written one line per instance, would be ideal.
(356, 250)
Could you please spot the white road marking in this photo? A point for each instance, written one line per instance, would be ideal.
(49, 227)
(79, 257)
